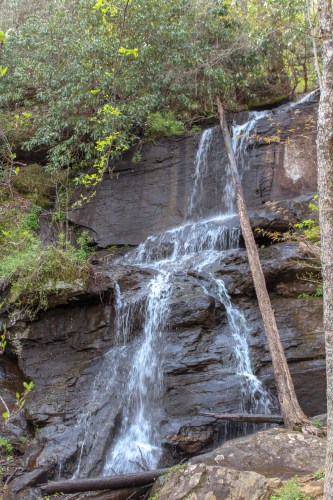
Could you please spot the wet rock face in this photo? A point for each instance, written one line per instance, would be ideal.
(69, 354)
(282, 160)
(199, 358)
(71, 351)
(141, 199)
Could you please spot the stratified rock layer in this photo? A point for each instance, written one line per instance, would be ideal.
(76, 406)
(68, 353)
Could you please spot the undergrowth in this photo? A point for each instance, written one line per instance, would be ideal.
(291, 490)
(31, 271)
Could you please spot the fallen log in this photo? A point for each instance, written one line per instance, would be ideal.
(103, 483)
(245, 417)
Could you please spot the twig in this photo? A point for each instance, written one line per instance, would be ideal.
(76, 495)
(143, 460)
(9, 478)
(138, 464)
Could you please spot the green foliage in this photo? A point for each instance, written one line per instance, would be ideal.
(163, 125)
(317, 423)
(136, 158)
(291, 490)
(84, 246)
(29, 271)
(6, 445)
(30, 222)
(52, 268)
(310, 229)
(21, 399)
(3, 341)
(319, 474)
(121, 68)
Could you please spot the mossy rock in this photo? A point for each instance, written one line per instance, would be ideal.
(268, 103)
(34, 182)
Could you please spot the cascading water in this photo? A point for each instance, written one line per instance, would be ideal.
(138, 442)
(200, 168)
(195, 246)
(255, 398)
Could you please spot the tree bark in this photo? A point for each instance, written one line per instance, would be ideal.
(293, 416)
(103, 483)
(325, 189)
(245, 417)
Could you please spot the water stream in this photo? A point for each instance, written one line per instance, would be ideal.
(194, 246)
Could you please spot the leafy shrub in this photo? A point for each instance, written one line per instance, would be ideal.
(5, 445)
(163, 125)
(291, 490)
(30, 221)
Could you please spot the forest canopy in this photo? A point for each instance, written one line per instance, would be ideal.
(107, 73)
(82, 82)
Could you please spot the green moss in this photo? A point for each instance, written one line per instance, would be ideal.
(34, 182)
(175, 470)
(267, 103)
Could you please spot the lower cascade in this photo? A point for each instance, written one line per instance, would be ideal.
(191, 248)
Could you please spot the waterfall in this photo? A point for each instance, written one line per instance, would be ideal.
(244, 136)
(255, 397)
(138, 440)
(200, 169)
(195, 246)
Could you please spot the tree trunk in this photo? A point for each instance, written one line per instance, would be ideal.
(103, 483)
(325, 188)
(293, 416)
(244, 417)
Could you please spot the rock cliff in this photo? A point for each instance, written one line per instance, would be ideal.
(76, 406)
(137, 200)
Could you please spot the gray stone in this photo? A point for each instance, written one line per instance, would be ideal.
(206, 482)
(251, 467)
(138, 200)
(274, 453)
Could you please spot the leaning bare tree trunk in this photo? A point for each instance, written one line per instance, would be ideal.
(293, 416)
(325, 188)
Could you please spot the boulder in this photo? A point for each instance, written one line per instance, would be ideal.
(205, 482)
(252, 467)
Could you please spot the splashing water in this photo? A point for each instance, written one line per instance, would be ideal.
(138, 439)
(255, 397)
